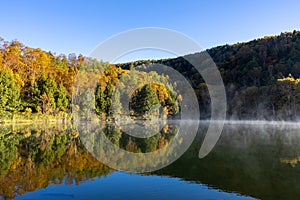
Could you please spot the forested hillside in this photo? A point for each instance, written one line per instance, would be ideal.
(260, 76)
(34, 81)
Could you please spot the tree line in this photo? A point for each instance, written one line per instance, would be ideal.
(260, 76)
(35, 81)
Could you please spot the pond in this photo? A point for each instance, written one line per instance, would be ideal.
(249, 161)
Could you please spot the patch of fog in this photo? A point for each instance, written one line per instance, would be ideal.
(255, 122)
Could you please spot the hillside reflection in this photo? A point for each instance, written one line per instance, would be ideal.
(34, 157)
(259, 160)
(253, 160)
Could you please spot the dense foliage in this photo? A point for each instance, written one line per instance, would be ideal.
(35, 81)
(251, 73)
(135, 93)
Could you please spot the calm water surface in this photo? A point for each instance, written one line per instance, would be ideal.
(250, 161)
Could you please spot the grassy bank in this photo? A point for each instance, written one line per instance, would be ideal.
(9, 118)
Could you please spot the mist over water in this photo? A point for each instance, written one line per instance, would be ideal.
(259, 159)
(280, 123)
(251, 158)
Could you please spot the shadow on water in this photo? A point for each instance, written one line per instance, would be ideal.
(251, 159)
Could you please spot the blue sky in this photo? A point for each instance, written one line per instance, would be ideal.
(67, 26)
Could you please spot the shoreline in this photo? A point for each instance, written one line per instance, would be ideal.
(36, 118)
(60, 120)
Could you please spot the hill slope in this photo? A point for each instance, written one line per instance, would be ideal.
(260, 77)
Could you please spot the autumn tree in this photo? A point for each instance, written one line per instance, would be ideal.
(9, 92)
(62, 102)
(116, 106)
(100, 99)
(144, 99)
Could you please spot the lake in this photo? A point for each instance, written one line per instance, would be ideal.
(250, 161)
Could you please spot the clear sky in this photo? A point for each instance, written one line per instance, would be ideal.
(70, 26)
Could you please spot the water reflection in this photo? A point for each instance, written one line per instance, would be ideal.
(33, 157)
(251, 159)
(258, 160)
(110, 144)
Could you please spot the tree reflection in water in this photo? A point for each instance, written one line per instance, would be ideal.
(253, 160)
